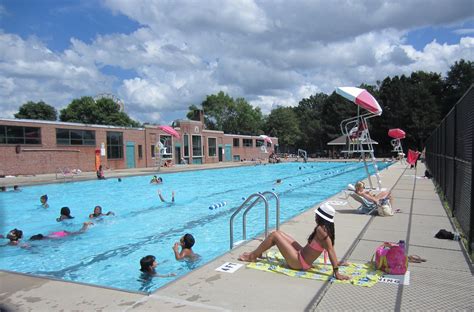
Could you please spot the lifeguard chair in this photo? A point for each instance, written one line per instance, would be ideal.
(161, 149)
(356, 129)
(266, 139)
(397, 135)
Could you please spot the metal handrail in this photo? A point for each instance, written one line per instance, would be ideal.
(231, 223)
(244, 216)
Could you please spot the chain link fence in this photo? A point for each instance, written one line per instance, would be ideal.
(449, 160)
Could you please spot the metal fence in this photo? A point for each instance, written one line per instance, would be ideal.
(449, 160)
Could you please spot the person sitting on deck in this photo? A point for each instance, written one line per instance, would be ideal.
(380, 198)
(301, 258)
(100, 173)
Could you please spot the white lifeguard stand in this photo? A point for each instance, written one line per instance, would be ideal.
(356, 129)
(397, 135)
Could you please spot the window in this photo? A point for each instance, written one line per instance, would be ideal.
(212, 147)
(197, 146)
(152, 151)
(114, 145)
(259, 143)
(140, 152)
(236, 142)
(186, 145)
(20, 135)
(75, 137)
(247, 142)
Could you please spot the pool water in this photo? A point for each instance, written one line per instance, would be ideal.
(108, 254)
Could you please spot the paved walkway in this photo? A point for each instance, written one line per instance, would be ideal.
(444, 282)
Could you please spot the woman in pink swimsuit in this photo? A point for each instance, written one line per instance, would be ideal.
(298, 257)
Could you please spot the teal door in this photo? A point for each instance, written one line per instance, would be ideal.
(130, 154)
(228, 152)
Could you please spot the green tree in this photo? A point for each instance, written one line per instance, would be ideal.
(39, 111)
(222, 112)
(283, 124)
(101, 112)
(457, 82)
(308, 113)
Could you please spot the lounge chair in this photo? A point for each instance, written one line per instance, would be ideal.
(65, 173)
(367, 206)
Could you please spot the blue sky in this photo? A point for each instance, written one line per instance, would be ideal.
(160, 57)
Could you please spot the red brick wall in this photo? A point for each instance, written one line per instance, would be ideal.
(47, 157)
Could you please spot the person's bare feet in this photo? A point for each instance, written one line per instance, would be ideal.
(248, 257)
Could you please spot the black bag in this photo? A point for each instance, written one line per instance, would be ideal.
(443, 234)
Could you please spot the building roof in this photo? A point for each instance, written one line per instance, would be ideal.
(342, 141)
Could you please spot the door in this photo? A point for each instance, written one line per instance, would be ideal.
(177, 154)
(130, 154)
(220, 153)
(228, 152)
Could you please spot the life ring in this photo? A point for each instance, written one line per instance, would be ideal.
(217, 205)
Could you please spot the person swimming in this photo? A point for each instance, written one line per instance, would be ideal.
(62, 234)
(98, 213)
(44, 201)
(186, 242)
(148, 266)
(65, 214)
(14, 236)
(163, 199)
(156, 180)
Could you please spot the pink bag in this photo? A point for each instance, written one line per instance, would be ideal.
(391, 258)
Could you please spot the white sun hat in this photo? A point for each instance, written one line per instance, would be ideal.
(326, 212)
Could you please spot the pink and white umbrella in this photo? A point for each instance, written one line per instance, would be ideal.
(266, 138)
(170, 130)
(360, 97)
(396, 133)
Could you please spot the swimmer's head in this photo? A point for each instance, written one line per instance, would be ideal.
(148, 263)
(37, 237)
(278, 181)
(119, 179)
(97, 210)
(187, 241)
(44, 199)
(15, 235)
(160, 179)
(65, 211)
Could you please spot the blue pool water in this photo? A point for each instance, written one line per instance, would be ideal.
(108, 253)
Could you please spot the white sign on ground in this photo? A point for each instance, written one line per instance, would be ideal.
(229, 267)
(396, 279)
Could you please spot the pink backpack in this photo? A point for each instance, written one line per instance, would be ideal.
(391, 258)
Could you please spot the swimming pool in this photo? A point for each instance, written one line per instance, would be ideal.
(108, 253)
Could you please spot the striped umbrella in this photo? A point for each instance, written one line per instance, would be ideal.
(361, 98)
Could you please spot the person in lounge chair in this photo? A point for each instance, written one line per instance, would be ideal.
(301, 258)
(380, 198)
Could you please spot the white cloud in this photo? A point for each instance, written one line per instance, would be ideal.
(269, 52)
(464, 31)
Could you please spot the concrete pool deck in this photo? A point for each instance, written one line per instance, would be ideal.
(444, 282)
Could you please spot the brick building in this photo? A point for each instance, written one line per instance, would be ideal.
(37, 146)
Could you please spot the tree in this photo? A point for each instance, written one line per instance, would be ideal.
(283, 124)
(457, 82)
(308, 113)
(39, 111)
(222, 112)
(101, 112)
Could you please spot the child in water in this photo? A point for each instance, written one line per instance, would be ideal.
(186, 242)
(98, 213)
(148, 266)
(44, 201)
(61, 234)
(65, 214)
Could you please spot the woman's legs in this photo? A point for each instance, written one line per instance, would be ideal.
(284, 244)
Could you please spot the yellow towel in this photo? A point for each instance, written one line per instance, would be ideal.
(361, 274)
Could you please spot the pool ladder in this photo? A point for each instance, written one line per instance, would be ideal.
(256, 197)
